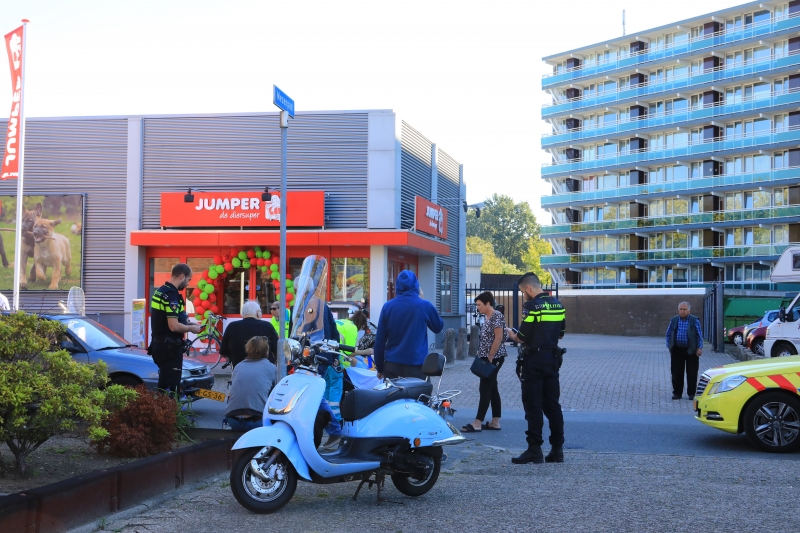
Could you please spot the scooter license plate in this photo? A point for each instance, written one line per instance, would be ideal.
(210, 394)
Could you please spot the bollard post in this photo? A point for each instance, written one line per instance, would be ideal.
(474, 340)
(450, 345)
(461, 345)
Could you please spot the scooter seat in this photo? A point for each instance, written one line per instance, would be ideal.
(359, 403)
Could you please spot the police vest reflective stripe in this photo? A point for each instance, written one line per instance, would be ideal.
(546, 316)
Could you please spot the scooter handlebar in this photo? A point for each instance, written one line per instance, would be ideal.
(347, 348)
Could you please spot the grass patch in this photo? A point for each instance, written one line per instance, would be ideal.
(7, 274)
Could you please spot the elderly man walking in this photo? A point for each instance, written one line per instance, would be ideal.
(685, 343)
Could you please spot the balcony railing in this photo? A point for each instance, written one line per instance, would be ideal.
(703, 42)
(775, 177)
(717, 252)
(751, 285)
(712, 217)
(675, 83)
(759, 102)
(764, 138)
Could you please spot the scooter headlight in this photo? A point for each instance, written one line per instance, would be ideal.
(291, 349)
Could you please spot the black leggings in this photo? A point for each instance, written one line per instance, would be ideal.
(490, 394)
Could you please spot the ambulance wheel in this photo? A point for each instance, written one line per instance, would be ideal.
(411, 486)
(772, 422)
(259, 495)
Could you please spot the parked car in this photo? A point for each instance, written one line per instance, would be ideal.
(342, 309)
(768, 318)
(783, 335)
(755, 340)
(736, 335)
(90, 342)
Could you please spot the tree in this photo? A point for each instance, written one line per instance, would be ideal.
(45, 392)
(491, 263)
(533, 258)
(506, 226)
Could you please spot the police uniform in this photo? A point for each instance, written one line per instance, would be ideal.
(166, 347)
(540, 359)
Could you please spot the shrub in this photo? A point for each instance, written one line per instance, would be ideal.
(44, 392)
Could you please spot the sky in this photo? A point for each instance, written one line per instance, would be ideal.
(466, 74)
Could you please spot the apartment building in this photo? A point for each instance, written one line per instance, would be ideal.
(676, 152)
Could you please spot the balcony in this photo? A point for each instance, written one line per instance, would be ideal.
(761, 102)
(674, 84)
(704, 42)
(776, 177)
(760, 251)
(766, 139)
(760, 215)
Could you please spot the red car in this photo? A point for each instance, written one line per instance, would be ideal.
(755, 340)
(736, 335)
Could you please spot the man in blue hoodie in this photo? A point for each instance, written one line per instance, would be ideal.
(401, 343)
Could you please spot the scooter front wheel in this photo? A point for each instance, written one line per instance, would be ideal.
(411, 486)
(259, 488)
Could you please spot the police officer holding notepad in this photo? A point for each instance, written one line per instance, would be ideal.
(169, 322)
(538, 364)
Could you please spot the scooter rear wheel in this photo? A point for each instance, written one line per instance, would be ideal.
(417, 487)
(257, 495)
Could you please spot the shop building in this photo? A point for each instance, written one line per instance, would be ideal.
(365, 190)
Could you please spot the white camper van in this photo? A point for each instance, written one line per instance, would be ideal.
(783, 335)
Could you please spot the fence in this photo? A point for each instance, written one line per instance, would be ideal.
(508, 296)
(714, 316)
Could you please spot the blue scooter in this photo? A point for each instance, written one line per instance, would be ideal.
(397, 429)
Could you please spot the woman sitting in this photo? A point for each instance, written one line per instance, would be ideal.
(251, 382)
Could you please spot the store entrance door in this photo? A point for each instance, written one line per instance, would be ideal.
(396, 264)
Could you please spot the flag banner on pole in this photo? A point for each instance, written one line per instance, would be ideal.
(12, 149)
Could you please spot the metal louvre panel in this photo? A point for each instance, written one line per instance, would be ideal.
(325, 151)
(73, 157)
(415, 172)
(448, 197)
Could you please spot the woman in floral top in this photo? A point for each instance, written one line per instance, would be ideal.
(493, 335)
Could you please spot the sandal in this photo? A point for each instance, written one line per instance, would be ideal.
(469, 428)
(490, 428)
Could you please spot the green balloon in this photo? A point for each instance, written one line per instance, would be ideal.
(290, 289)
(289, 283)
(263, 268)
(206, 314)
(236, 262)
(257, 248)
(274, 268)
(275, 275)
(202, 283)
(258, 254)
(265, 254)
(213, 275)
(242, 255)
(220, 269)
(209, 288)
(203, 295)
(245, 264)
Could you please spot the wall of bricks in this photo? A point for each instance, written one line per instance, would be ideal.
(630, 315)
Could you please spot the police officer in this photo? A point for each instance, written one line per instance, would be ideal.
(537, 367)
(169, 322)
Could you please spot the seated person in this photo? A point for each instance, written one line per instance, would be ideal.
(252, 381)
(238, 333)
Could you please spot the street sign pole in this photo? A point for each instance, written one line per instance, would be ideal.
(286, 105)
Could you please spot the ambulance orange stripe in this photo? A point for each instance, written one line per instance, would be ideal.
(756, 384)
(783, 383)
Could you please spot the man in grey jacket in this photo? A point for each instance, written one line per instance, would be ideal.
(685, 344)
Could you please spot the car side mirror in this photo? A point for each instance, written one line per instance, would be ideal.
(433, 365)
(782, 314)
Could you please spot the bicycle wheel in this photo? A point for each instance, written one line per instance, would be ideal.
(212, 341)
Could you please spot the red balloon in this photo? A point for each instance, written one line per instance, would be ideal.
(211, 298)
(288, 276)
(222, 276)
(267, 262)
(214, 309)
(226, 258)
(204, 275)
(276, 260)
(197, 302)
(289, 297)
(259, 262)
(217, 259)
(206, 304)
(234, 252)
(228, 267)
(251, 253)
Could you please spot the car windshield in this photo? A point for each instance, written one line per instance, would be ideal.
(95, 336)
(771, 317)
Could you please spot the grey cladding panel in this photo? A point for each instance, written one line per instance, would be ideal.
(415, 172)
(448, 197)
(243, 153)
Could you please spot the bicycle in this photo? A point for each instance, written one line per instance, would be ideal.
(207, 338)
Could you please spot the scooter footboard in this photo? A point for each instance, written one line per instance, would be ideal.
(280, 435)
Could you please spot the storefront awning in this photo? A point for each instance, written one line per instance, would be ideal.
(401, 239)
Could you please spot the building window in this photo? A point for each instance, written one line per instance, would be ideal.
(445, 290)
(350, 281)
(696, 273)
(781, 196)
(780, 234)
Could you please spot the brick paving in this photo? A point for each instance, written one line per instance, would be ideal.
(601, 373)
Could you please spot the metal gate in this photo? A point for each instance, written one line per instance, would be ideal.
(509, 300)
(714, 316)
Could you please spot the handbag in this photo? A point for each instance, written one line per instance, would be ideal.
(482, 368)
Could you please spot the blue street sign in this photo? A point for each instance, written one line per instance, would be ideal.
(282, 100)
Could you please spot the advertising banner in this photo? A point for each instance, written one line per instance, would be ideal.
(137, 323)
(52, 245)
(10, 167)
(430, 218)
(227, 209)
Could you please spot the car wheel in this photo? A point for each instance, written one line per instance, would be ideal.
(783, 349)
(772, 422)
(758, 347)
(738, 339)
(126, 381)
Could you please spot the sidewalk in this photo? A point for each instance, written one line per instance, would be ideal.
(601, 373)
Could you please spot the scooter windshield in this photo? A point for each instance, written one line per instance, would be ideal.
(310, 293)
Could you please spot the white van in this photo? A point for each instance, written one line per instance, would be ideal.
(783, 335)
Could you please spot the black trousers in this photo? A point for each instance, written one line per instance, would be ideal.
(540, 394)
(396, 370)
(490, 394)
(169, 359)
(683, 360)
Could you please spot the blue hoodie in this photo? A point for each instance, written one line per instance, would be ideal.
(402, 335)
